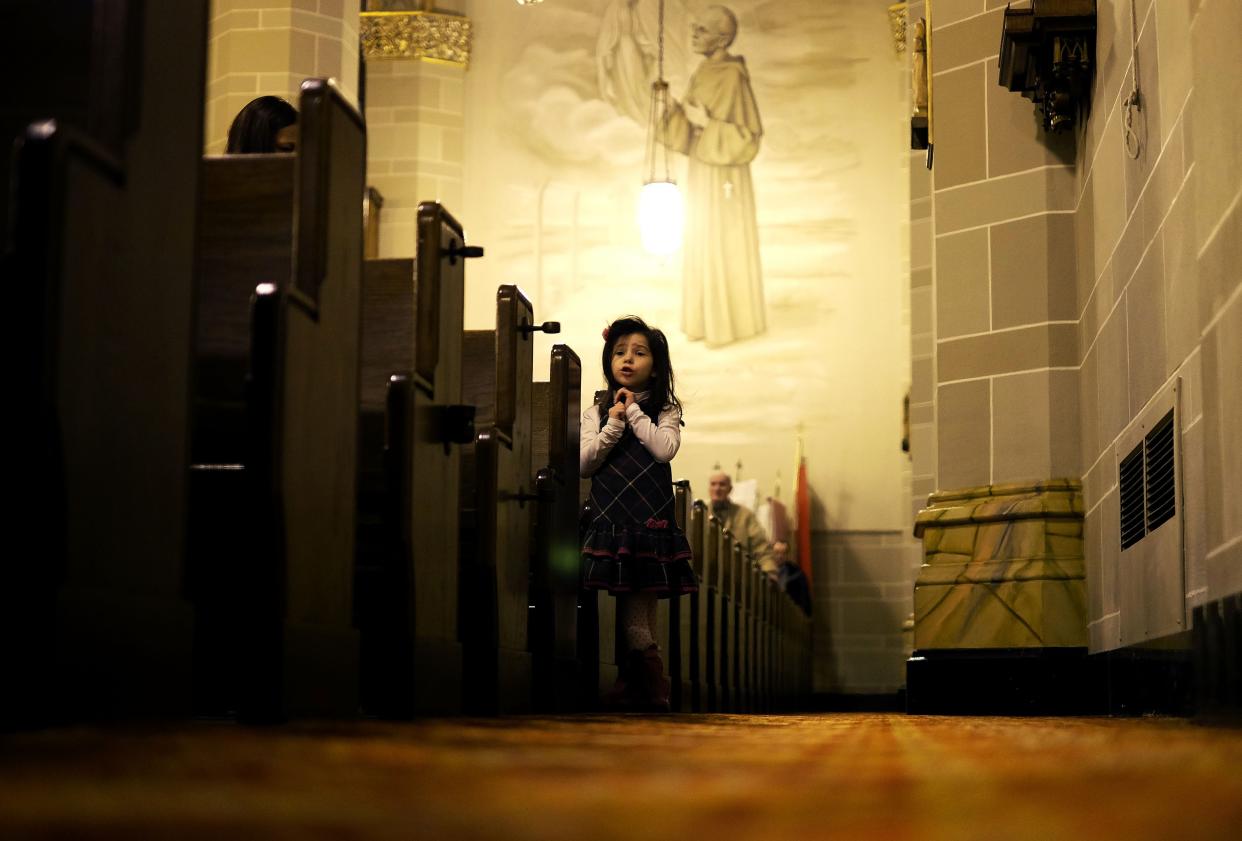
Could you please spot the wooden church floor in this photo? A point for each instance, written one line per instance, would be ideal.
(856, 776)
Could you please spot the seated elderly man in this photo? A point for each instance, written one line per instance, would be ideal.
(742, 522)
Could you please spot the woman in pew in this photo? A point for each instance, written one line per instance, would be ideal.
(632, 546)
(267, 124)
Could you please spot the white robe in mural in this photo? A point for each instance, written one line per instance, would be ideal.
(722, 280)
(625, 60)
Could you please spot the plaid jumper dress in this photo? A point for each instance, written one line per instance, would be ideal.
(632, 542)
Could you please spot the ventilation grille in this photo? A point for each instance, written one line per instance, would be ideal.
(1148, 483)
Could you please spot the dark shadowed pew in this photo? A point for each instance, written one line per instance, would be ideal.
(372, 207)
(598, 634)
(497, 491)
(97, 266)
(765, 643)
(712, 630)
(411, 426)
(680, 633)
(276, 420)
(245, 240)
(81, 64)
(555, 572)
(741, 586)
(728, 622)
(694, 616)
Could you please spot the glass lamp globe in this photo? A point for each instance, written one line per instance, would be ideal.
(661, 217)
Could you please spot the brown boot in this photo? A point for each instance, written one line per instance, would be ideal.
(627, 693)
(655, 684)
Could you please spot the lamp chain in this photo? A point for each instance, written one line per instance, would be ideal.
(661, 41)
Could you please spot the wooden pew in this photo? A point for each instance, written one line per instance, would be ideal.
(599, 638)
(755, 602)
(738, 642)
(729, 599)
(496, 489)
(745, 631)
(410, 423)
(694, 614)
(275, 431)
(713, 568)
(555, 564)
(81, 65)
(682, 635)
(765, 656)
(372, 206)
(742, 564)
(97, 266)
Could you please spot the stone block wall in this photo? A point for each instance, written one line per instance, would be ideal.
(1002, 290)
(415, 116)
(863, 594)
(1076, 278)
(1159, 283)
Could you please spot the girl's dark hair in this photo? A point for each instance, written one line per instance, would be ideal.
(254, 128)
(661, 383)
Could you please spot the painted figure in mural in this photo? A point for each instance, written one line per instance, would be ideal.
(625, 60)
(717, 126)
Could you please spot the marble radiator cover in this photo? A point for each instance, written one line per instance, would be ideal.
(1003, 567)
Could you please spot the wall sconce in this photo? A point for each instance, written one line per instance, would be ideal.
(1047, 55)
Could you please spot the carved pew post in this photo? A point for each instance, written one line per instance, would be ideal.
(711, 630)
(679, 613)
(761, 642)
(780, 670)
(728, 694)
(411, 419)
(95, 622)
(769, 642)
(280, 451)
(745, 628)
(497, 487)
(693, 646)
(555, 568)
(757, 578)
(737, 619)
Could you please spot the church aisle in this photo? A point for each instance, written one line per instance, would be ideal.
(864, 776)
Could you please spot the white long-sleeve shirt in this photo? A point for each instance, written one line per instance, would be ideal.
(661, 438)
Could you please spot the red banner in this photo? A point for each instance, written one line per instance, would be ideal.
(804, 522)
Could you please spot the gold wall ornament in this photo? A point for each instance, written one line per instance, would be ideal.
(429, 36)
(897, 21)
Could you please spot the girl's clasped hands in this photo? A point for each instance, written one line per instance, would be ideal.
(625, 398)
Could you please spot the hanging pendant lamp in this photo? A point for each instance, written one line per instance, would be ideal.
(661, 214)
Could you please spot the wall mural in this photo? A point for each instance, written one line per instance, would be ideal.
(784, 304)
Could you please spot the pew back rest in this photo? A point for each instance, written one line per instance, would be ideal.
(331, 166)
(91, 80)
(316, 431)
(388, 312)
(245, 237)
(561, 445)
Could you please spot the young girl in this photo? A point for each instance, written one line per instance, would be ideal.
(632, 546)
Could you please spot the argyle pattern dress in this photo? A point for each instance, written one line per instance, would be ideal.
(632, 543)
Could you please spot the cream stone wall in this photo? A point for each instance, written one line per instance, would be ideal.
(1072, 284)
(415, 120)
(863, 594)
(415, 112)
(260, 47)
(1160, 301)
